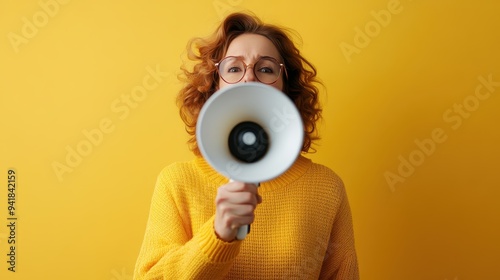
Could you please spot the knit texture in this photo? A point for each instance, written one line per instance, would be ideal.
(302, 229)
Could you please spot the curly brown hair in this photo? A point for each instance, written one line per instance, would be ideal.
(202, 80)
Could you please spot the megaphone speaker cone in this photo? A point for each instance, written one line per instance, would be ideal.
(248, 142)
(250, 132)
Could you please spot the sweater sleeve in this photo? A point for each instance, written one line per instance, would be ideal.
(340, 261)
(170, 251)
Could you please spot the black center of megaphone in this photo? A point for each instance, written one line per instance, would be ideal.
(248, 142)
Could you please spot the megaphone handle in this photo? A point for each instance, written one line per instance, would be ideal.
(243, 230)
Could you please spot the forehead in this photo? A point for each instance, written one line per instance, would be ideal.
(252, 46)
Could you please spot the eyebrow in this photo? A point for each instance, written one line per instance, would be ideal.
(259, 57)
(269, 57)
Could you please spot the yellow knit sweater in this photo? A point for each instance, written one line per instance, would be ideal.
(302, 229)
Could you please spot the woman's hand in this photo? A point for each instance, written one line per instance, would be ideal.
(235, 205)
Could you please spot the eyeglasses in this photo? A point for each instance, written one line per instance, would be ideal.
(232, 69)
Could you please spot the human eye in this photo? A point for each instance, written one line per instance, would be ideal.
(232, 65)
(234, 69)
(266, 70)
(267, 66)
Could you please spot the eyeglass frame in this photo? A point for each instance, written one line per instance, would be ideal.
(282, 68)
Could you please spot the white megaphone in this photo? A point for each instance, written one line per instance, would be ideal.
(249, 132)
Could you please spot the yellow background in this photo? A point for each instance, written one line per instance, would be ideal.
(441, 222)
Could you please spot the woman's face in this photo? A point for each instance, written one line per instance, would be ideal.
(251, 47)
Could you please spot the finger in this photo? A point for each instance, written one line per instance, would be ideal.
(225, 196)
(243, 198)
(241, 187)
(230, 209)
(241, 221)
(240, 210)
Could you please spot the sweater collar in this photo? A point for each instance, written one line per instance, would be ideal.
(299, 167)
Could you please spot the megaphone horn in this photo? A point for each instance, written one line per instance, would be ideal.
(249, 132)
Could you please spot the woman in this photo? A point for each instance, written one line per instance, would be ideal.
(301, 221)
